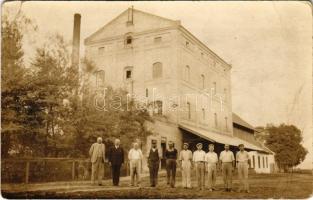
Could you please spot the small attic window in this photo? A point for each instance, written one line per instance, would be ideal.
(157, 39)
(129, 40)
(101, 50)
(129, 23)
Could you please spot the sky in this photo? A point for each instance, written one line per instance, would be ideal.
(268, 44)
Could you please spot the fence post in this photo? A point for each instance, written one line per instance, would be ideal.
(73, 170)
(27, 172)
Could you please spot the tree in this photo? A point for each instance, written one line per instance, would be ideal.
(15, 105)
(55, 83)
(120, 117)
(285, 141)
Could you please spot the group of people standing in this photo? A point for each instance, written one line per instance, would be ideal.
(201, 161)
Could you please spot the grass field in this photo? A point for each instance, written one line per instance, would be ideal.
(292, 186)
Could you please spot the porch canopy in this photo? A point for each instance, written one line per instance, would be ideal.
(219, 138)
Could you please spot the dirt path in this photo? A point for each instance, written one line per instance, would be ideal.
(261, 186)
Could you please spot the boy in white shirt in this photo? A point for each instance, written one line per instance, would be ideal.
(211, 165)
(242, 158)
(199, 160)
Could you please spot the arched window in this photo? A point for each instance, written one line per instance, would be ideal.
(225, 94)
(187, 73)
(158, 107)
(100, 78)
(128, 71)
(215, 120)
(202, 81)
(189, 110)
(214, 88)
(203, 113)
(226, 123)
(129, 40)
(157, 70)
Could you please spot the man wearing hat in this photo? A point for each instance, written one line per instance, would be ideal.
(228, 160)
(199, 160)
(153, 163)
(185, 158)
(171, 157)
(243, 161)
(211, 165)
(97, 157)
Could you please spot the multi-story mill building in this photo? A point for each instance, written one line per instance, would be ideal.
(157, 60)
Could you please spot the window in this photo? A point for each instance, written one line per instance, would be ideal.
(100, 78)
(225, 94)
(187, 73)
(157, 39)
(263, 162)
(266, 162)
(187, 44)
(101, 50)
(129, 40)
(203, 114)
(259, 162)
(147, 92)
(157, 107)
(157, 70)
(253, 161)
(189, 111)
(226, 123)
(202, 81)
(214, 87)
(215, 119)
(128, 72)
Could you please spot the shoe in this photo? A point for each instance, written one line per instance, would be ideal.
(100, 184)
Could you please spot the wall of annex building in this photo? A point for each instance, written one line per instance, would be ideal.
(262, 163)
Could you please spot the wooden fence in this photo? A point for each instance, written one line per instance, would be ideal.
(26, 170)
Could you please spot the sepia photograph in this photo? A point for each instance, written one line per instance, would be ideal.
(156, 100)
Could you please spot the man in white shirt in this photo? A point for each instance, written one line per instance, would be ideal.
(97, 157)
(199, 161)
(228, 160)
(135, 158)
(242, 158)
(185, 158)
(211, 165)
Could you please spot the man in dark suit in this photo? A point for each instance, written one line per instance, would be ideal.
(116, 159)
(153, 163)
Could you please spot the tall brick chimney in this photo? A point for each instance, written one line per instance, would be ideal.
(76, 41)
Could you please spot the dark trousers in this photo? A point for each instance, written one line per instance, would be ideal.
(116, 174)
(153, 169)
(171, 171)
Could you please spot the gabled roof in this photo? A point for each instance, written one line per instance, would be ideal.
(238, 120)
(149, 21)
(145, 18)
